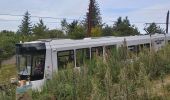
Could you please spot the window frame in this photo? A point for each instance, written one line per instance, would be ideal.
(87, 54)
(71, 54)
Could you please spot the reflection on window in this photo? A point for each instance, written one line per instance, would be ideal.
(96, 51)
(31, 66)
(110, 48)
(144, 46)
(169, 41)
(147, 45)
(38, 67)
(81, 56)
(24, 64)
(134, 48)
(38, 63)
(65, 57)
(137, 48)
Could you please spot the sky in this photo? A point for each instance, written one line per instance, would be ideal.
(139, 12)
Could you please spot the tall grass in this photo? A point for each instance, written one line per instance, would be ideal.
(7, 90)
(121, 75)
(112, 78)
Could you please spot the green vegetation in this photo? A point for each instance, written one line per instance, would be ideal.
(93, 14)
(153, 28)
(25, 27)
(124, 28)
(142, 78)
(7, 90)
(7, 72)
(115, 77)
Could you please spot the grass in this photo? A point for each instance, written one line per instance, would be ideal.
(117, 77)
(7, 91)
(7, 72)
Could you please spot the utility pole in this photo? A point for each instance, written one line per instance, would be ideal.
(167, 22)
(89, 19)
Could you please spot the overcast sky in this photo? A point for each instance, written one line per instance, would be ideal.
(138, 11)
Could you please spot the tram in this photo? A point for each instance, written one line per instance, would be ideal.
(37, 61)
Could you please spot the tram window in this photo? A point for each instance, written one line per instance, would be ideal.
(65, 57)
(134, 48)
(81, 55)
(96, 51)
(147, 45)
(141, 46)
(110, 48)
(169, 41)
(25, 64)
(38, 67)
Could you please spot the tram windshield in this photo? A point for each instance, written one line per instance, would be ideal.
(24, 64)
(31, 66)
(30, 63)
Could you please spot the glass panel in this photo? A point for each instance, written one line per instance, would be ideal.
(81, 55)
(147, 45)
(96, 51)
(24, 63)
(110, 49)
(169, 41)
(38, 65)
(141, 46)
(65, 57)
(134, 48)
(31, 66)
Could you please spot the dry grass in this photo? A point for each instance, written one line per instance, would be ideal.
(7, 72)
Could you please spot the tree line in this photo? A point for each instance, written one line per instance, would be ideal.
(79, 29)
(75, 30)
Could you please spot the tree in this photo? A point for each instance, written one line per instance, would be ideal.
(64, 25)
(95, 13)
(124, 28)
(25, 27)
(40, 29)
(153, 28)
(55, 34)
(93, 17)
(71, 26)
(75, 30)
(107, 31)
(77, 33)
(96, 31)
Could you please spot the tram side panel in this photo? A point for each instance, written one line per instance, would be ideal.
(48, 62)
(158, 43)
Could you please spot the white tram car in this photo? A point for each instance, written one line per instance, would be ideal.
(54, 54)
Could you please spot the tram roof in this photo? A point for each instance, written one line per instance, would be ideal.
(98, 41)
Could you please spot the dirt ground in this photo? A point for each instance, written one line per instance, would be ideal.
(9, 61)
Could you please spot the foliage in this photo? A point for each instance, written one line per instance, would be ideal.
(77, 33)
(7, 43)
(96, 31)
(112, 78)
(153, 28)
(40, 29)
(124, 28)
(109, 78)
(96, 19)
(107, 31)
(25, 27)
(75, 30)
(54, 33)
(64, 25)
(7, 91)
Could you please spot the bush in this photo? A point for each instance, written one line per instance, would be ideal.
(112, 78)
